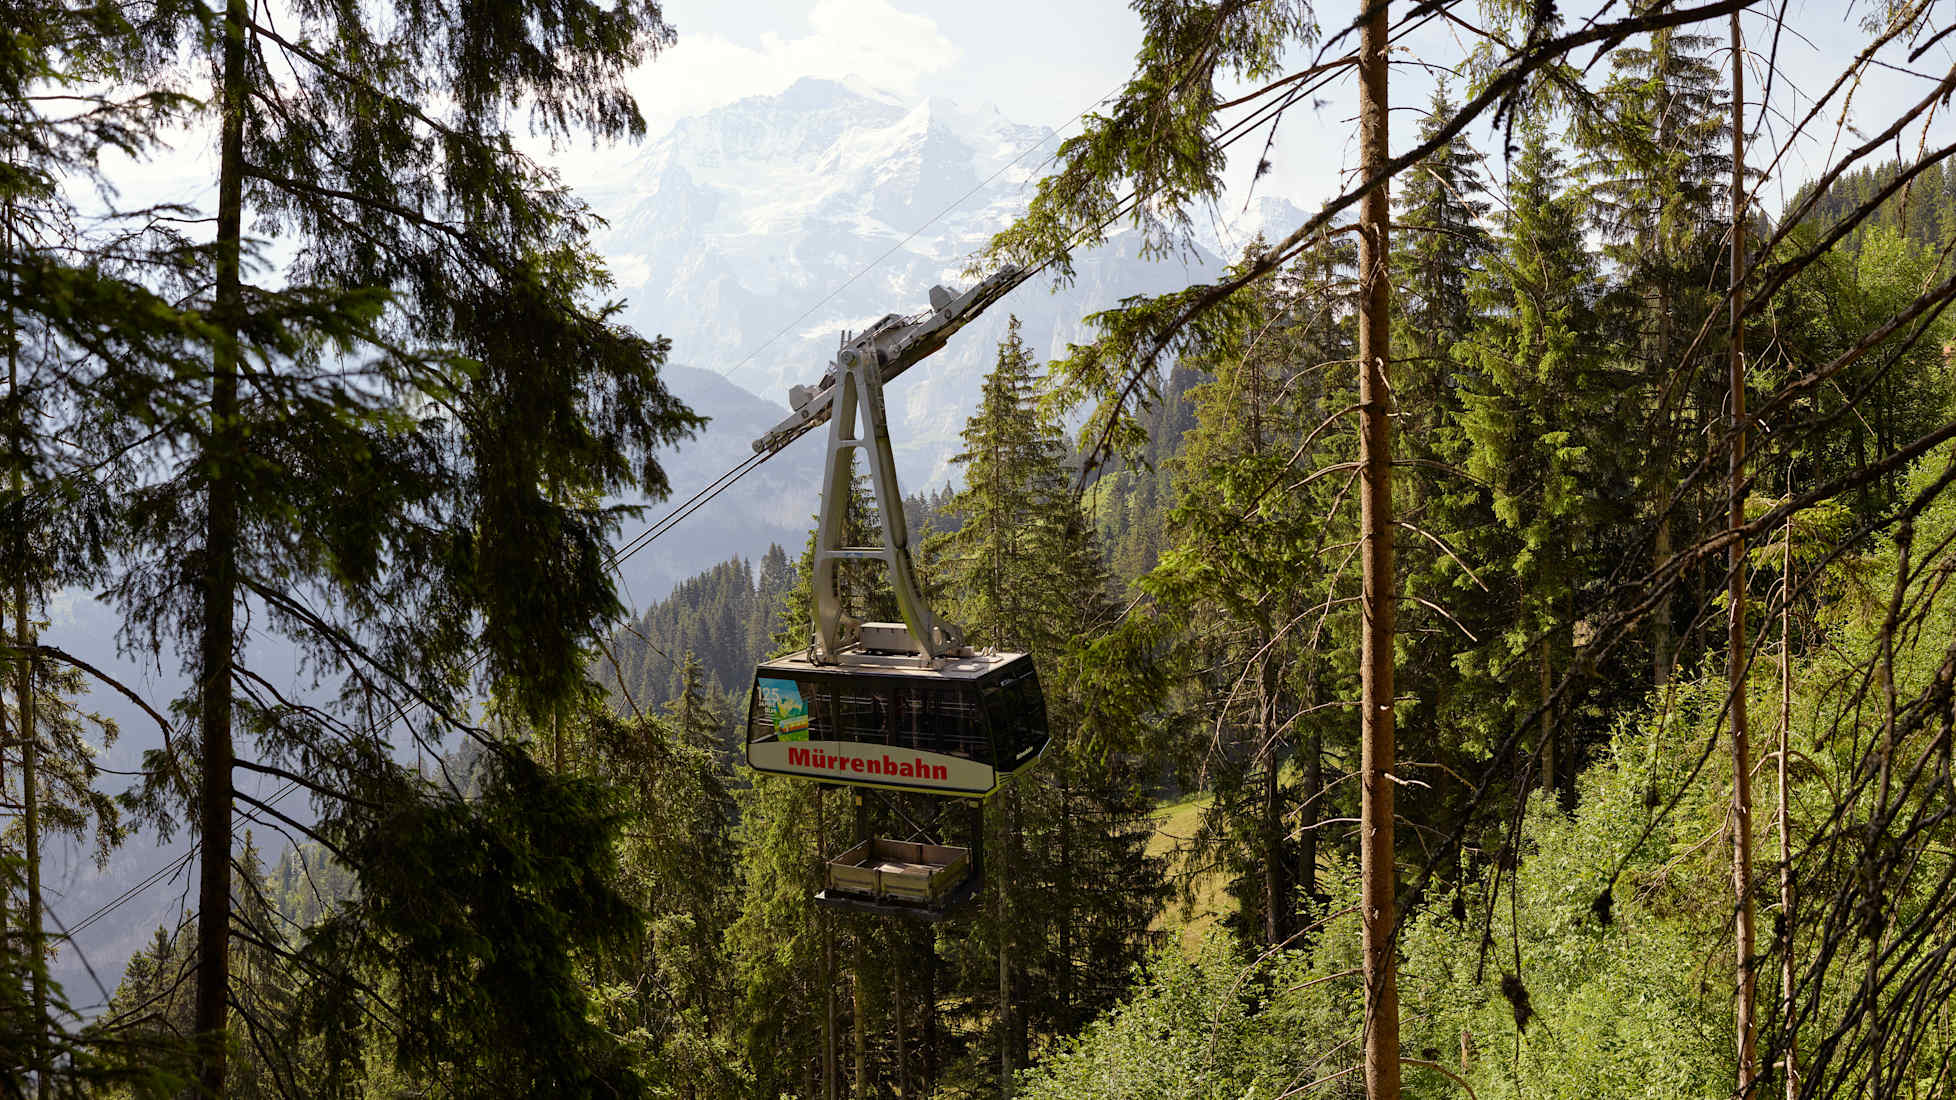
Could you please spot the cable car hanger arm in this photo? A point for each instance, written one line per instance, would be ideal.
(851, 392)
(902, 341)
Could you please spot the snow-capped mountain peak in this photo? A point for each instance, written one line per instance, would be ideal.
(753, 233)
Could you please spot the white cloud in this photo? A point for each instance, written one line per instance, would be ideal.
(630, 269)
(871, 41)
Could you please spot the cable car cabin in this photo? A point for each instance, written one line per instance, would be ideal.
(956, 729)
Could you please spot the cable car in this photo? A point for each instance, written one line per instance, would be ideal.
(957, 728)
(902, 706)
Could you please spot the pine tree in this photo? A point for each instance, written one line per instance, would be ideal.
(1541, 423)
(1023, 570)
(1657, 173)
(1441, 243)
(65, 289)
(672, 993)
(401, 448)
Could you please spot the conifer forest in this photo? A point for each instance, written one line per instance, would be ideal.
(1488, 627)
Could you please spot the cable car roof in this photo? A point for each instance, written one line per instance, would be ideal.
(976, 667)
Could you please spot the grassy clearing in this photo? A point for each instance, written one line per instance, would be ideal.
(1175, 823)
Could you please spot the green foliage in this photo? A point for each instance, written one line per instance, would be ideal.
(1023, 571)
(1544, 424)
(467, 928)
(1899, 392)
(1259, 488)
(671, 994)
(1190, 1029)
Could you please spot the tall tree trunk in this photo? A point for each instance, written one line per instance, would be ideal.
(1661, 643)
(30, 798)
(219, 580)
(861, 1020)
(861, 929)
(1791, 1065)
(1660, 620)
(1377, 875)
(13, 349)
(1741, 822)
(930, 1051)
(823, 930)
(1006, 1062)
(30, 751)
(896, 1010)
(1276, 900)
(1064, 780)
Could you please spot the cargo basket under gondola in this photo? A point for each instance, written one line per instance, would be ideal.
(899, 878)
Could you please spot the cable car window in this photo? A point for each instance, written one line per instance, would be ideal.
(912, 717)
(1017, 708)
(863, 714)
(821, 710)
(942, 719)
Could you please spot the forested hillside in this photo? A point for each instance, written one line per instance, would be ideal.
(1493, 639)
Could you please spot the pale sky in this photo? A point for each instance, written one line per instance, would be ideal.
(1042, 62)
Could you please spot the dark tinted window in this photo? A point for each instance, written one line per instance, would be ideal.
(940, 717)
(1018, 717)
(863, 713)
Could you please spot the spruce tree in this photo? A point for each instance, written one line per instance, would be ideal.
(1073, 890)
(1440, 243)
(671, 992)
(1656, 171)
(1246, 570)
(1541, 424)
(74, 89)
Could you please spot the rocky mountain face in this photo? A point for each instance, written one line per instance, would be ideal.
(754, 234)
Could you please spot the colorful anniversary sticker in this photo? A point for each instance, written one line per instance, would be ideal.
(785, 707)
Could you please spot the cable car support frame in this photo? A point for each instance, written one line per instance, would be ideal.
(903, 706)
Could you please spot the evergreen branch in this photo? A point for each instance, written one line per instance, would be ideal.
(326, 66)
(372, 994)
(252, 1029)
(309, 832)
(624, 688)
(347, 646)
(1521, 65)
(1301, 74)
(1424, 602)
(299, 780)
(127, 692)
(324, 718)
(1442, 1071)
(1447, 550)
(474, 244)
